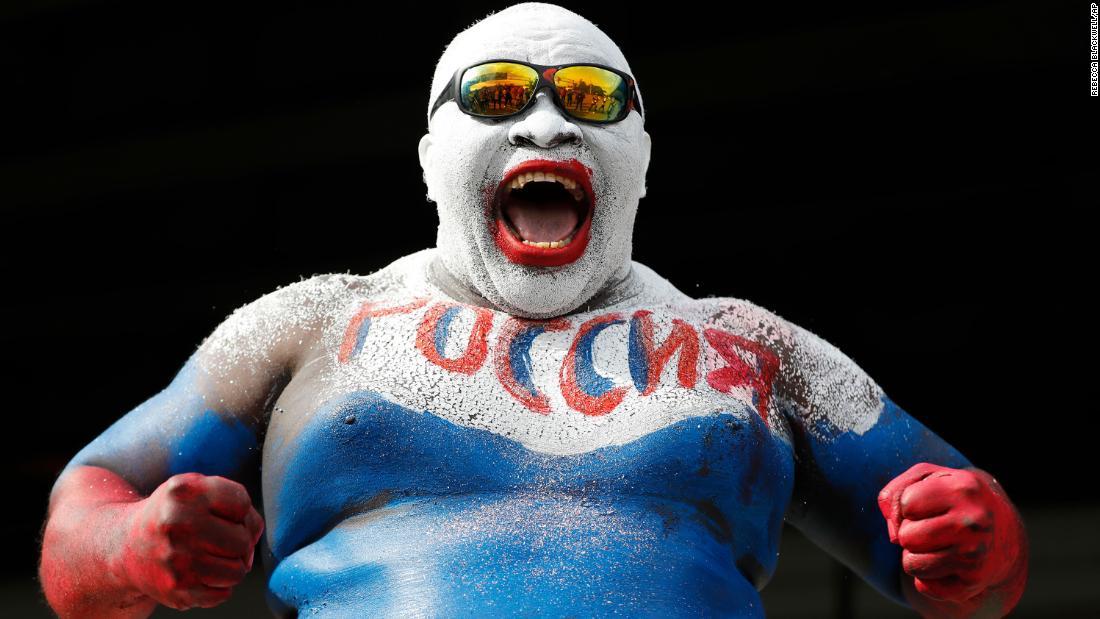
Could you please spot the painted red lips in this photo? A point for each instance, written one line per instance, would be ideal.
(543, 212)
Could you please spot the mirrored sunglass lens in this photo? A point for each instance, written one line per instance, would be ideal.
(497, 88)
(591, 93)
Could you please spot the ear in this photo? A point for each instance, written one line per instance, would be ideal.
(423, 150)
(647, 146)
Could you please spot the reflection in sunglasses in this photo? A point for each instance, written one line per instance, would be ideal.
(591, 93)
(499, 88)
(584, 92)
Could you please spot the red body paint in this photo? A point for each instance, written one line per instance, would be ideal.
(503, 362)
(513, 248)
(963, 542)
(477, 347)
(575, 395)
(186, 545)
(682, 337)
(368, 311)
(738, 373)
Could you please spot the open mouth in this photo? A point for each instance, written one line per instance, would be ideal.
(543, 212)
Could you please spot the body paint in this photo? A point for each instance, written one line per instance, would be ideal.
(694, 507)
(432, 336)
(759, 377)
(647, 360)
(512, 360)
(585, 390)
(356, 333)
(465, 159)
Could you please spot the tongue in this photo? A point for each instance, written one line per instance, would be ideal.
(541, 221)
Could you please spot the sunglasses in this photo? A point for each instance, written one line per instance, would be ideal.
(500, 88)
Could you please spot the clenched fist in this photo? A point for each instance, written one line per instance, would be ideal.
(191, 541)
(959, 533)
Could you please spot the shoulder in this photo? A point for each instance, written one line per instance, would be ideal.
(294, 315)
(816, 381)
(738, 316)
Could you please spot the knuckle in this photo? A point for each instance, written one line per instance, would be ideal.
(911, 494)
(975, 521)
(984, 518)
(173, 522)
(181, 483)
(185, 488)
(968, 484)
(921, 468)
(227, 484)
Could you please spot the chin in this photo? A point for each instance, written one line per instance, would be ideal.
(547, 292)
(538, 296)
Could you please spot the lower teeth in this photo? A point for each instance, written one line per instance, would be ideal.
(549, 244)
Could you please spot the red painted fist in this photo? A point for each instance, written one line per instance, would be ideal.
(959, 533)
(192, 541)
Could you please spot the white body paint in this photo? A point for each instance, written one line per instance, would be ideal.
(390, 363)
(464, 158)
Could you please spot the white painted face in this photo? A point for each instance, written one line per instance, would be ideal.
(465, 159)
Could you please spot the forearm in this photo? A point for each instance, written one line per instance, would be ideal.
(82, 570)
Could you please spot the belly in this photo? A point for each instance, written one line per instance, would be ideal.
(378, 510)
(519, 554)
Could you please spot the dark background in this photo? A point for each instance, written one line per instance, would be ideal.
(907, 180)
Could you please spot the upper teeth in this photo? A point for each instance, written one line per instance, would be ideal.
(519, 180)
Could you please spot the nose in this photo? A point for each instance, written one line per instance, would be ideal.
(544, 126)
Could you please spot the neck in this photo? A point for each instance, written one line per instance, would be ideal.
(622, 286)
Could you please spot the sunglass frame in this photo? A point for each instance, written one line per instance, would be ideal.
(451, 92)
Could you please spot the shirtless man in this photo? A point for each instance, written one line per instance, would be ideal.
(521, 421)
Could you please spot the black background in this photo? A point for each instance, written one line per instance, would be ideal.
(907, 180)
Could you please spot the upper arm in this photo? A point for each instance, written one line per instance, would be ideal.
(850, 440)
(212, 417)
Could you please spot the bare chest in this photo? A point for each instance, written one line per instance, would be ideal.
(564, 386)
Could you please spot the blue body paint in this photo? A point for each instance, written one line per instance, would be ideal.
(587, 378)
(212, 446)
(846, 471)
(404, 512)
(172, 432)
(443, 329)
(637, 358)
(519, 358)
(400, 511)
(361, 336)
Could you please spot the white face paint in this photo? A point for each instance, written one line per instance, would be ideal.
(466, 158)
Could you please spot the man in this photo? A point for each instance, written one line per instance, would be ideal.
(521, 421)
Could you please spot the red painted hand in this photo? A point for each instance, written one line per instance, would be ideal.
(191, 541)
(959, 533)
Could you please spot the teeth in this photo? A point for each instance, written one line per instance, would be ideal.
(551, 244)
(547, 177)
